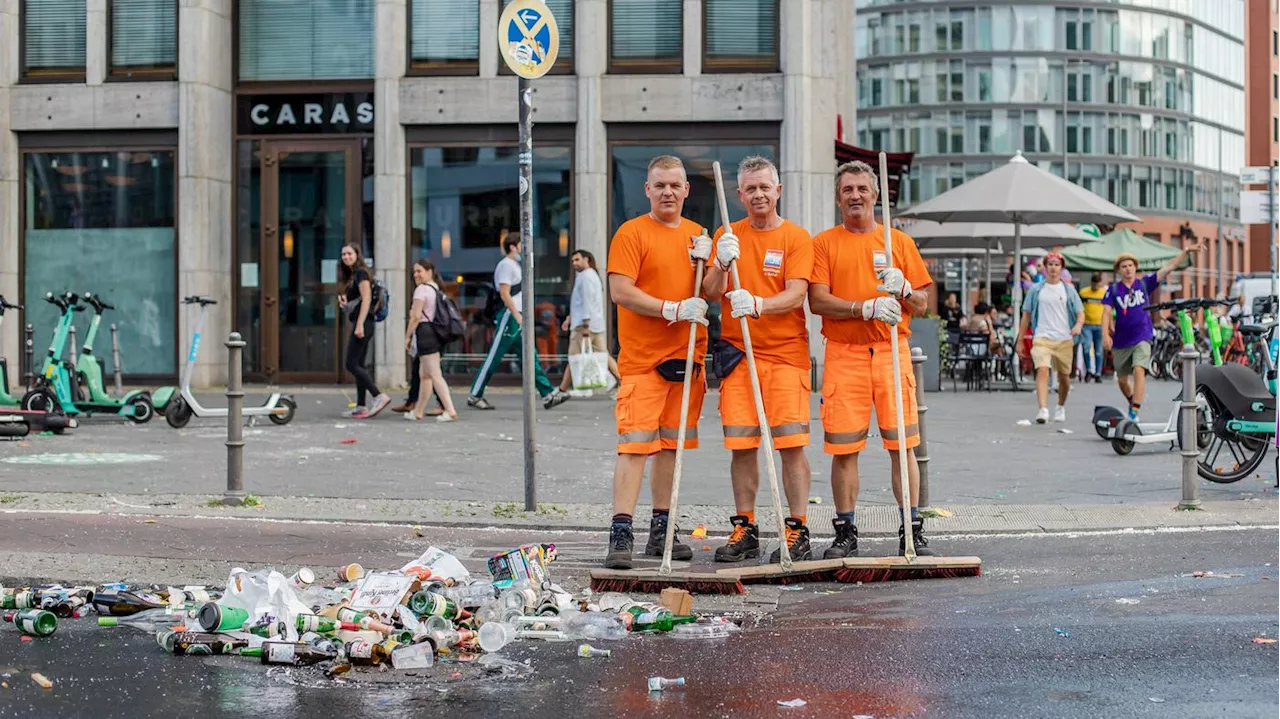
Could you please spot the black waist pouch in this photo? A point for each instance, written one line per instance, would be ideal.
(673, 370)
(726, 357)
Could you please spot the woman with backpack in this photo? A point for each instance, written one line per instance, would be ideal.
(427, 300)
(358, 301)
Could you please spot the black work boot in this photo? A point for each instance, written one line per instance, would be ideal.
(917, 539)
(658, 539)
(744, 543)
(621, 544)
(797, 542)
(846, 544)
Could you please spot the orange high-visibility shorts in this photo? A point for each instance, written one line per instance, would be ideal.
(856, 379)
(785, 390)
(648, 412)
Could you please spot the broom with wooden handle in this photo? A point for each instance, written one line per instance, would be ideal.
(766, 435)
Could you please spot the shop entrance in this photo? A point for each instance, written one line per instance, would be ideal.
(306, 194)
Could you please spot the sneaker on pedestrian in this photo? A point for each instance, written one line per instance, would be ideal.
(1133, 414)
(479, 403)
(621, 545)
(556, 397)
(351, 412)
(797, 536)
(404, 406)
(433, 412)
(1042, 416)
(379, 404)
(442, 417)
(846, 544)
(360, 413)
(744, 543)
(1060, 414)
(918, 540)
(411, 416)
(658, 540)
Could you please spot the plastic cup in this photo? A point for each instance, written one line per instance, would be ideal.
(351, 572)
(435, 623)
(496, 635)
(302, 579)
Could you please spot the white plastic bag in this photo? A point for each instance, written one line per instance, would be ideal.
(441, 564)
(590, 370)
(266, 595)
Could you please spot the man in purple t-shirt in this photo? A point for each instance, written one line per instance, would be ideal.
(1126, 323)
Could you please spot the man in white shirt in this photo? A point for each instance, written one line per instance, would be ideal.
(586, 314)
(1055, 314)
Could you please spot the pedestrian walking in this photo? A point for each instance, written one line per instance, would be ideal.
(1126, 323)
(586, 314)
(421, 338)
(775, 260)
(358, 301)
(507, 278)
(651, 276)
(1091, 335)
(952, 314)
(851, 278)
(1052, 310)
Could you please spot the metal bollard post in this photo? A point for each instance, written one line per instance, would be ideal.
(115, 360)
(1190, 440)
(922, 452)
(29, 354)
(72, 343)
(235, 424)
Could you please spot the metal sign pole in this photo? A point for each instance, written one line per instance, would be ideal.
(528, 350)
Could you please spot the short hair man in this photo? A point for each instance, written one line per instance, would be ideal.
(1091, 335)
(1054, 313)
(775, 259)
(585, 323)
(861, 300)
(651, 279)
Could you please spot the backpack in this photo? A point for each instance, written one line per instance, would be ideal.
(493, 306)
(380, 305)
(447, 322)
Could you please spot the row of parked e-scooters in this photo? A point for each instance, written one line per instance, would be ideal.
(63, 392)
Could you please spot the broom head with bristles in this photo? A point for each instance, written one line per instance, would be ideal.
(889, 569)
(649, 581)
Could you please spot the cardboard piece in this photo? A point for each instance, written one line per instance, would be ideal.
(381, 592)
(679, 601)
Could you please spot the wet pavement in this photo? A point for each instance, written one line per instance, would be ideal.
(1043, 633)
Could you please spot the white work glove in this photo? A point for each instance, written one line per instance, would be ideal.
(744, 303)
(693, 309)
(727, 250)
(701, 249)
(885, 309)
(893, 282)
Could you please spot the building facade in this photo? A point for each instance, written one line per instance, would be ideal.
(1141, 101)
(1262, 109)
(156, 149)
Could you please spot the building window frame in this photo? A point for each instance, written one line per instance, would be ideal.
(123, 141)
(28, 76)
(140, 74)
(747, 63)
(421, 68)
(616, 66)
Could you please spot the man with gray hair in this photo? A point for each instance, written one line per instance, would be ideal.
(861, 298)
(775, 259)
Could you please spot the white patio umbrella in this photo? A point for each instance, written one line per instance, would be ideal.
(1021, 194)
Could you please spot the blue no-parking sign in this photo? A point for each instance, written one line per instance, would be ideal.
(528, 38)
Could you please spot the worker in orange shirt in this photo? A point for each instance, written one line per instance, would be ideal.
(651, 277)
(775, 259)
(861, 299)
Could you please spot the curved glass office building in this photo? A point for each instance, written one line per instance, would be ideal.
(1141, 101)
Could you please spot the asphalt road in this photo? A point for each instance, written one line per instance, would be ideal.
(1094, 625)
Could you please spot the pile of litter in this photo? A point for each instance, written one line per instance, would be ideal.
(429, 611)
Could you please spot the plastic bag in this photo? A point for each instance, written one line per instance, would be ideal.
(590, 370)
(266, 595)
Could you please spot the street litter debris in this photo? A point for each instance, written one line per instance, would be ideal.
(349, 440)
(935, 512)
(1211, 575)
(792, 703)
(699, 532)
(429, 616)
(1127, 600)
(1064, 430)
(1263, 640)
(1023, 423)
(815, 500)
(40, 679)
(1062, 632)
(1156, 700)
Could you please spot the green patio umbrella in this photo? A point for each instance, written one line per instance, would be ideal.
(1100, 256)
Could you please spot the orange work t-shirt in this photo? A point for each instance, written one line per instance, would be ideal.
(847, 262)
(768, 259)
(657, 258)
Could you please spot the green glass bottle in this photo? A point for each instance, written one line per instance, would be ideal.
(288, 653)
(317, 623)
(660, 622)
(198, 643)
(269, 630)
(430, 604)
(33, 622)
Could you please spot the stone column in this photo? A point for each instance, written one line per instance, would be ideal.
(390, 188)
(812, 43)
(591, 149)
(205, 173)
(95, 41)
(693, 39)
(10, 176)
(490, 11)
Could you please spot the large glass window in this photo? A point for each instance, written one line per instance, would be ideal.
(742, 35)
(464, 202)
(646, 35)
(562, 10)
(306, 39)
(444, 35)
(53, 38)
(144, 38)
(103, 222)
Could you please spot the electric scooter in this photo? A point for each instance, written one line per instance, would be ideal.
(6, 399)
(90, 392)
(178, 410)
(16, 422)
